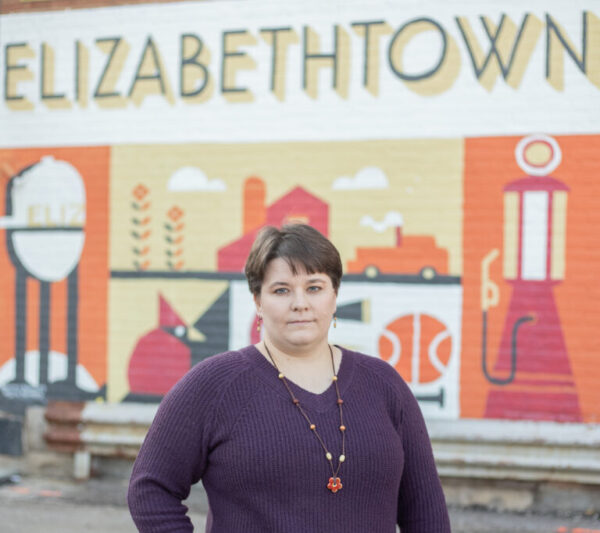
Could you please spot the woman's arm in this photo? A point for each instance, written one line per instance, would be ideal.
(173, 455)
(421, 502)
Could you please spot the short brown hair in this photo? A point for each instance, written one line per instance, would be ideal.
(302, 247)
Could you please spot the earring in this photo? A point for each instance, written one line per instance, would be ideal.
(259, 322)
(334, 321)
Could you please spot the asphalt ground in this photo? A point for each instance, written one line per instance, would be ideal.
(36, 504)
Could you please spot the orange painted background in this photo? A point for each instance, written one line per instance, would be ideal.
(93, 165)
(489, 165)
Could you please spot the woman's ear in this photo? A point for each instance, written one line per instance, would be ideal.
(256, 299)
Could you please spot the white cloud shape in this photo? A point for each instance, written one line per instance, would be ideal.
(392, 219)
(187, 179)
(365, 178)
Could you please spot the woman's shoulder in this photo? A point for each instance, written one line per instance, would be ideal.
(213, 374)
(378, 369)
(383, 381)
(230, 361)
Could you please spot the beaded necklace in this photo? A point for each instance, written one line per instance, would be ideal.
(335, 483)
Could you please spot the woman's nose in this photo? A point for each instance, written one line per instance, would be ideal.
(299, 300)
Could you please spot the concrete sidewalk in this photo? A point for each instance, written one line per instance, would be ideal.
(31, 504)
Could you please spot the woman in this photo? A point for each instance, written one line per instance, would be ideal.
(291, 435)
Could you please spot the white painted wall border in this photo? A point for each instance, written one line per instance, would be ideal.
(466, 109)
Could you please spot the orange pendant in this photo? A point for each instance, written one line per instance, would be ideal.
(334, 484)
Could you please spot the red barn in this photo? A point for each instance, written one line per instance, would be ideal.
(298, 205)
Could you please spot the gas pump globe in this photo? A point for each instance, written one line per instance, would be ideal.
(532, 376)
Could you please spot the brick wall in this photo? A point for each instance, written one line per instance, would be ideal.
(142, 147)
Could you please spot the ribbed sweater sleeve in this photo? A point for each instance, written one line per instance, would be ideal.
(421, 502)
(174, 453)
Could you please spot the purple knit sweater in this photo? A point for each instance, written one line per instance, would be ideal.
(230, 422)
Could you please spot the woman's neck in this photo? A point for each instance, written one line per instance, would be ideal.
(311, 370)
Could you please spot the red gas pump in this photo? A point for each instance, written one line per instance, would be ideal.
(532, 376)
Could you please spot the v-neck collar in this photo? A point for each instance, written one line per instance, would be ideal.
(319, 402)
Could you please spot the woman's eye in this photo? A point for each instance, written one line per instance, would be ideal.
(314, 288)
(281, 290)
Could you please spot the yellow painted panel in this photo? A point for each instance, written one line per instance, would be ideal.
(511, 234)
(423, 177)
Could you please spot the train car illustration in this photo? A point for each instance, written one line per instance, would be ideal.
(413, 254)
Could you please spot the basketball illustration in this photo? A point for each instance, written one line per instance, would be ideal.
(418, 346)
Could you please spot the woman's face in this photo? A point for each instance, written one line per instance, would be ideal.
(296, 309)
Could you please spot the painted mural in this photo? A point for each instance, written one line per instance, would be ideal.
(175, 293)
(193, 212)
(529, 292)
(55, 275)
(139, 168)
